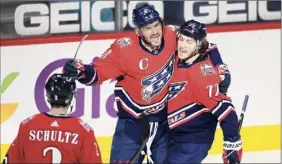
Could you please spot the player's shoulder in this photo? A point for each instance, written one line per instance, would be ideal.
(170, 30)
(205, 68)
(31, 119)
(203, 72)
(126, 41)
(84, 125)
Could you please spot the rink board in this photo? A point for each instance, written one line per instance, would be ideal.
(256, 138)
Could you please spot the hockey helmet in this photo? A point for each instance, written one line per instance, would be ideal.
(194, 29)
(60, 89)
(145, 15)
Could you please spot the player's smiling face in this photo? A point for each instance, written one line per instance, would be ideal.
(152, 33)
(186, 46)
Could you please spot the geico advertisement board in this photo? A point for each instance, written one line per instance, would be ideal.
(253, 58)
(90, 16)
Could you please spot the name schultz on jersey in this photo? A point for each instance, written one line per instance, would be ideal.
(153, 84)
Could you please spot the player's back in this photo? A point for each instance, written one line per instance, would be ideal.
(53, 139)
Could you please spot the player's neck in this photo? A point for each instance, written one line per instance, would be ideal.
(192, 59)
(59, 111)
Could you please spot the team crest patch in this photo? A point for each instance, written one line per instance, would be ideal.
(153, 84)
(175, 89)
(207, 69)
(124, 42)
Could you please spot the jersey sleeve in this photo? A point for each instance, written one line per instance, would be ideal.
(214, 54)
(110, 65)
(220, 106)
(15, 152)
(173, 28)
(90, 152)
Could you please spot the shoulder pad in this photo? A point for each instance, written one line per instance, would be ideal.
(172, 27)
(85, 125)
(124, 42)
(29, 118)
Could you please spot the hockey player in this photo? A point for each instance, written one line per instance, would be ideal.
(143, 66)
(55, 137)
(196, 103)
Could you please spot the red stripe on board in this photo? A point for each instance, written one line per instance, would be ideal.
(103, 36)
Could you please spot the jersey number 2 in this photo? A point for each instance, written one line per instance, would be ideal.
(56, 154)
(213, 88)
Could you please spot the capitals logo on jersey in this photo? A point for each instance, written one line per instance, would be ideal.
(153, 84)
(207, 69)
(175, 89)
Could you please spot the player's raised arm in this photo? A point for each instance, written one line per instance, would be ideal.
(15, 153)
(223, 109)
(90, 152)
(110, 65)
(211, 49)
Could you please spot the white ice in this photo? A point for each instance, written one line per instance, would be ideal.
(273, 156)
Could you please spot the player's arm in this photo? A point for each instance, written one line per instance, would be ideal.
(15, 152)
(90, 152)
(110, 65)
(211, 49)
(222, 108)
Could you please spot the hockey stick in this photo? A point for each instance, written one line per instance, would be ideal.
(84, 37)
(243, 111)
(145, 131)
(81, 41)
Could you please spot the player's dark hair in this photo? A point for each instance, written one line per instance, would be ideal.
(55, 105)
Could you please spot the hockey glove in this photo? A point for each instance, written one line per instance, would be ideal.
(74, 68)
(204, 46)
(232, 150)
(225, 78)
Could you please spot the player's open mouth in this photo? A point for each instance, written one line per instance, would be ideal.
(183, 51)
(155, 38)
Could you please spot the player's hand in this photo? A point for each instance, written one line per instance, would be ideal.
(232, 150)
(74, 68)
(204, 46)
(225, 76)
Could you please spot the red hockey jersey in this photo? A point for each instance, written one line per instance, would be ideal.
(45, 138)
(144, 74)
(195, 103)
